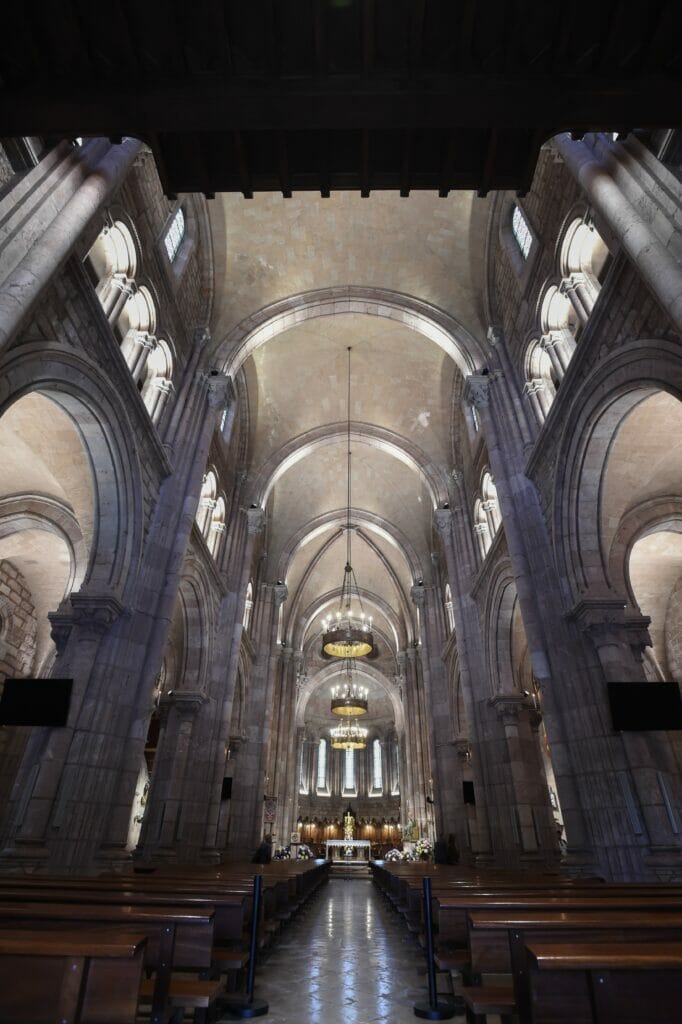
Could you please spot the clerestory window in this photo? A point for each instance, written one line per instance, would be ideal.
(322, 765)
(521, 232)
(175, 234)
(377, 774)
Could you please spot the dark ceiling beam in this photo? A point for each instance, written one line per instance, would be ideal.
(385, 102)
(418, 9)
(283, 165)
(488, 173)
(368, 16)
(242, 160)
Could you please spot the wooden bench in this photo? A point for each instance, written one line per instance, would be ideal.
(73, 976)
(605, 983)
(177, 939)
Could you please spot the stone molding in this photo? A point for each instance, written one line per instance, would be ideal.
(92, 614)
(477, 390)
(512, 708)
(186, 702)
(418, 595)
(255, 521)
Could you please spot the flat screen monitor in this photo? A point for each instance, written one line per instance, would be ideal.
(43, 702)
(644, 707)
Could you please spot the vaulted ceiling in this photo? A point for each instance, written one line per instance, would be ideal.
(389, 256)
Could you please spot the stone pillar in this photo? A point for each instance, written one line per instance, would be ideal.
(55, 803)
(446, 768)
(283, 772)
(532, 822)
(454, 527)
(41, 231)
(589, 761)
(246, 531)
(136, 348)
(164, 834)
(418, 766)
(250, 785)
(655, 263)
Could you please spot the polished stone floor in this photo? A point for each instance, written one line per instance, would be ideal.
(348, 960)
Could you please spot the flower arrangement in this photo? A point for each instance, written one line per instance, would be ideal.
(423, 848)
(394, 855)
(282, 853)
(406, 856)
(304, 852)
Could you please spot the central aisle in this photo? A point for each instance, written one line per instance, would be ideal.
(349, 960)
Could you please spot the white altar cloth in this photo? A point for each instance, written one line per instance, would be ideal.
(358, 846)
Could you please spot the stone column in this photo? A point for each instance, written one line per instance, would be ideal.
(532, 822)
(283, 772)
(589, 761)
(249, 788)
(245, 535)
(656, 264)
(163, 835)
(418, 764)
(649, 779)
(41, 231)
(55, 802)
(446, 768)
(454, 527)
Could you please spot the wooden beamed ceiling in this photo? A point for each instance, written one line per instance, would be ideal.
(284, 95)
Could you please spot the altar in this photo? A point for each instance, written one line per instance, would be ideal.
(357, 846)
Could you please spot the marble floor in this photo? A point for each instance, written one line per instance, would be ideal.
(347, 960)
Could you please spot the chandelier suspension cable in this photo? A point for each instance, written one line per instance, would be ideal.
(351, 635)
(348, 535)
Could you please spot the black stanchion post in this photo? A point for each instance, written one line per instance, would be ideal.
(250, 1007)
(434, 1009)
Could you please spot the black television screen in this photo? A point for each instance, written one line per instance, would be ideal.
(35, 702)
(643, 707)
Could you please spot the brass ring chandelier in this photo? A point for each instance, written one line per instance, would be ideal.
(349, 736)
(349, 700)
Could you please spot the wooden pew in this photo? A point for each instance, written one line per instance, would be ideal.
(177, 940)
(605, 983)
(76, 976)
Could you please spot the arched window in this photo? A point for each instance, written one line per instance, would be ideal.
(490, 503)
(158, 385)
(216, 528)
(481, 529)
(583, 264)
(487, 516)
(207, 502)
(322, 765)
(377, 771)
(449, 612)
(248, 606)
(521, 231)
(542, 382)
(349, 771)
(112, 263)
(136, 327)
(175, 234)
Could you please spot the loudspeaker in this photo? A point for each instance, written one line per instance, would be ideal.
(41, 702)
(226, 791)
(468, 792)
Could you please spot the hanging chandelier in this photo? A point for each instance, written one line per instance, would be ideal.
(349, 736)
(349, 635)
(350, 699)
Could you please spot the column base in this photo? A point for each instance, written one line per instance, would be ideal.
(664, 863)
(24, 858)
(113, 857)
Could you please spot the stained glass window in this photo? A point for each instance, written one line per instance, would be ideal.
(521, 232)
(175, 234)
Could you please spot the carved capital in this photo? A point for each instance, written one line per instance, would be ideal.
(185, 702)
(477, 389)
(91, 614)
(255, 518)
(218, 390)
(201, 337)
(512, 708)
(602, 618)
(280, 593)
(442, 518)
(457, 475)
(418, 595)
(462, 750)
(495, 335)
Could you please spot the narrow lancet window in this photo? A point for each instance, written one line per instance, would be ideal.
(175, 234)
(521, 232)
